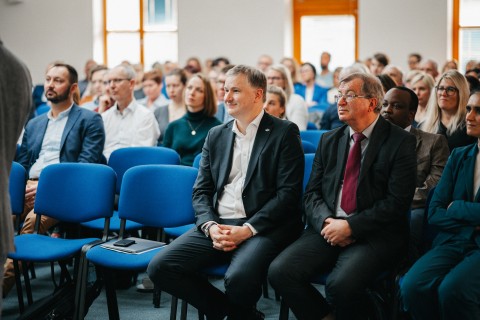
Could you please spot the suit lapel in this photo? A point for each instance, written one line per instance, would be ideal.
(418, 137)
(226, 145)
(379, 134)
(264, 130)
(72, 118)
(342, 154)
(469, 171)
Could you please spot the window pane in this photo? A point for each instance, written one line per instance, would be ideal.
(123, 46)
(335, 34)
(469, 10)
(160, 15)
(123, 15)
(469, 46)
(160, 46)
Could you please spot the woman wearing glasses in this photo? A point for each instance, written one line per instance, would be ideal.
(446, 110)
(187, 134)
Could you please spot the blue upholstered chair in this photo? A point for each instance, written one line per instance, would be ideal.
(68, 192)
(152, 195)
(312, 136)
(196, 161)
(308, 147)
(18, 179)
(311, 126)
(125, 158)
(308, 169)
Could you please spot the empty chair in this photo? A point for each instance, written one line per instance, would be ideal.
(152, 195)
(123, 159)
(62, 194)
(308, 147)
(312, 136)
(18, 179)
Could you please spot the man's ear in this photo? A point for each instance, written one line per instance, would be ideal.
(373, 103)
(259, 95)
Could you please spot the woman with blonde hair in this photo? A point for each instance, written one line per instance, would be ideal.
(275, 102)
(422, 84)
(446, 109)
(187, 134)
(296, 110)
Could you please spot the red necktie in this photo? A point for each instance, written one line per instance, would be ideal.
(350, 179)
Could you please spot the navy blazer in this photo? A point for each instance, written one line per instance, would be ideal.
(82, 140)
(454, 208)
(319, 95)
(273, 183)
(385, 188)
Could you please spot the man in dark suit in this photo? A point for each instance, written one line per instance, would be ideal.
(399, 107)
(67, 133)
(246, 200)
(356, 203)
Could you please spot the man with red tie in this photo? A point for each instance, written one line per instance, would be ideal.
(356, 203)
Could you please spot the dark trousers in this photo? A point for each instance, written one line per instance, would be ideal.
(352, 269)
(177, 270)
(444, 283)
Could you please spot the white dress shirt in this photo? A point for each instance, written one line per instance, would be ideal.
(135, 126)
(296, 111)
(230, 202)
(50, 151)
(367, 133)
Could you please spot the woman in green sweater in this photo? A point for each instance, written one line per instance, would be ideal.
(187, 134)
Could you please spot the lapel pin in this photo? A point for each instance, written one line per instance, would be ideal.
(267, 130)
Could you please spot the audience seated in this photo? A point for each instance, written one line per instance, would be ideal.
(399, 107)
(446, 110)
(379, 62)
(67, 133)
(152, 88)
(222, 113)
(414, 60)
(386, 81)
(423, 85)
(429, 66)
(187, 134)
(127, 123)
(175, 82)
(264, 62)
(297, 110)
(314, 95)
(445, 282)
(275, 103)
(83, 85)
(395, 73)
(325, 77)
(450, 65)
(292, 65)
(97, 88)
(138, 89)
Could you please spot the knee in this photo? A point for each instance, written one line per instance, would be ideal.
(277, 272)
(340, 290)
(29, 223)
(453, 291)
(159, 268)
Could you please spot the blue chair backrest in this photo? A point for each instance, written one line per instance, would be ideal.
(43, 108)
(308, 168)
(125, 158)
(76, 192)
(312, 136)
(308, 147)
(196, 161)
(18, 180)
(158, 195)
(311, 126)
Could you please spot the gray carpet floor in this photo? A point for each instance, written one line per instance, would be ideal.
(132, 304)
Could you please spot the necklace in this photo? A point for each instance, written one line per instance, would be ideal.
(194, 130)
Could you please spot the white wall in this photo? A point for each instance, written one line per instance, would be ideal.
(42, 31)
(39, 31)
(240, 30)
(398, 28)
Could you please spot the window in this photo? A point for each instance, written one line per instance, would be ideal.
(466, 31)
(139, 31)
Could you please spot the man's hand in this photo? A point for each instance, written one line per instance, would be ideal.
(337, 232)
(30, 193)
(228, 238)
(104, 103)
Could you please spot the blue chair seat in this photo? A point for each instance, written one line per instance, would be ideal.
(217, 271)
(114, 224)
(178, 231)
(31, 247)
(119, 260)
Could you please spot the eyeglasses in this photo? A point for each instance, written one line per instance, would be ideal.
(274, 78)
(449, 90)
(348, 97)
(115, 81)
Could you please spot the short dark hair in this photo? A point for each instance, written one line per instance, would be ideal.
(382, 58)
(255, 77)
(413, 97)
(97, 68)
(387, 82)
(217, 61)
(227, 68)
(311, 66)
(418, 56)
(155, 75)
(72, 73)
(180, 74)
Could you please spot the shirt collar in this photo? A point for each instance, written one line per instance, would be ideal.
(255, 123)
(129, 109)
(61, 115)
(409, 128)
(368, 130)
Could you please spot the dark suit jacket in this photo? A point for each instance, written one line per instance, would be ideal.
(385, 187)
(82, 140)
(455, 209)
(273, 184)
(432, 154)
